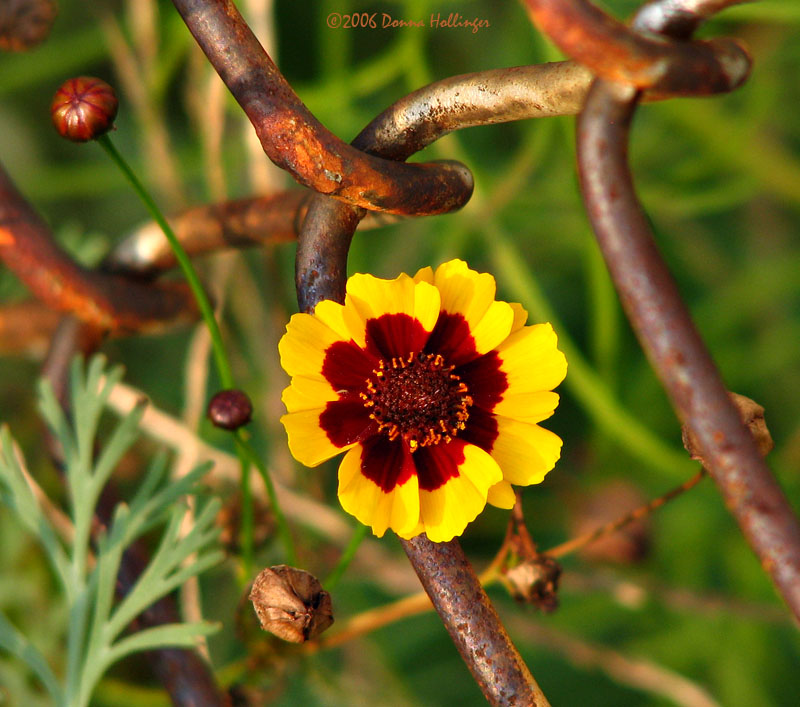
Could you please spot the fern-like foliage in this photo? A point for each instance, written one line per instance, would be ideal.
(96, 622)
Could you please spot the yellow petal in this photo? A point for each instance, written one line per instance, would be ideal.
(424, 275)
(446, 511)
(342, 321)
(372, 296)
(369, 297)
(530, 407)
(303, 346)
(308, 442)
(525, 452)
(471, 294)
(520, 316)
(494, 327)
(427, 304)
(531, 361)
(397, 509)
(502, 495)
(464, 291)
(307, 394)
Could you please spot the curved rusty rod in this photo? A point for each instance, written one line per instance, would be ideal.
(408, 125)
(241, 223)
(664, 327)
(297, 142)
(473, 624)
(617, 53)
(107, 302)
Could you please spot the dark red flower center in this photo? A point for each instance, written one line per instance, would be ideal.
(418, 398)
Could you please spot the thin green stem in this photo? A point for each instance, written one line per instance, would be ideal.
(346, 558)
(283, 526)
(243, 449)
(221, 360)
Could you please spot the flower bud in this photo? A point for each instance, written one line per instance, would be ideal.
(291, 604)
(230, 409)
(84, 108)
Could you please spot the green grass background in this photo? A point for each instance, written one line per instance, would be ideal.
(720, 179)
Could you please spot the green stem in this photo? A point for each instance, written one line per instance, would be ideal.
(223, 367)
(243, 449)
(347, 557)
(283, 526)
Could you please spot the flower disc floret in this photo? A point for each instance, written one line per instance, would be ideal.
(417, 398)
(432, 388)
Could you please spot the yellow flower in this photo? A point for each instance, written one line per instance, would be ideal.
(433, 389)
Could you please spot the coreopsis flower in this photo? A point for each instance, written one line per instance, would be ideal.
(432, 388)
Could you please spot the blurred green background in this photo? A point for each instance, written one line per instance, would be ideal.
(689, 618)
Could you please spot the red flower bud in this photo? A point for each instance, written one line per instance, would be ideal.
(84, 108)
(230, 409)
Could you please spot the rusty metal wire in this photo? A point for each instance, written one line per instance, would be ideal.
(371, 174)
(663, 324)
(408, 125)
(297, 142)
(472, 623)
(108, 302)
(241, 223)
(614, 52)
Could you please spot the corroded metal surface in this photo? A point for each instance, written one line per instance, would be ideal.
(617, 53)
(107, 302)
(472, 623)
(664, 327)
(297, 142)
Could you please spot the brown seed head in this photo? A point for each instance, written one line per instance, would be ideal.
(25, 23)
(230, 409)
(535, 582)
(84, 108)
(752, 415)
(291, 604)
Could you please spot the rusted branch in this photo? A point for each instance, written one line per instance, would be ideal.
(413, 122)
(297, 142)
(472, 623)
(107, 302)
(243, 223)
(26, 328)
(662, 322)
(615, 52)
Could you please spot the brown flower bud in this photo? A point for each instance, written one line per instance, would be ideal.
(25, 23)
(230, 409)
(84, 108)
(535, 582)
(291, 603)
(752, 415)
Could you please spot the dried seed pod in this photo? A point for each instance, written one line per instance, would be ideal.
(84, 108)
(535, 582)
(291, 603)
(230, 409)
(752, 415)
(25, 23)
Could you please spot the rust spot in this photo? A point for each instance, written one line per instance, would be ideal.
(6, 237)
